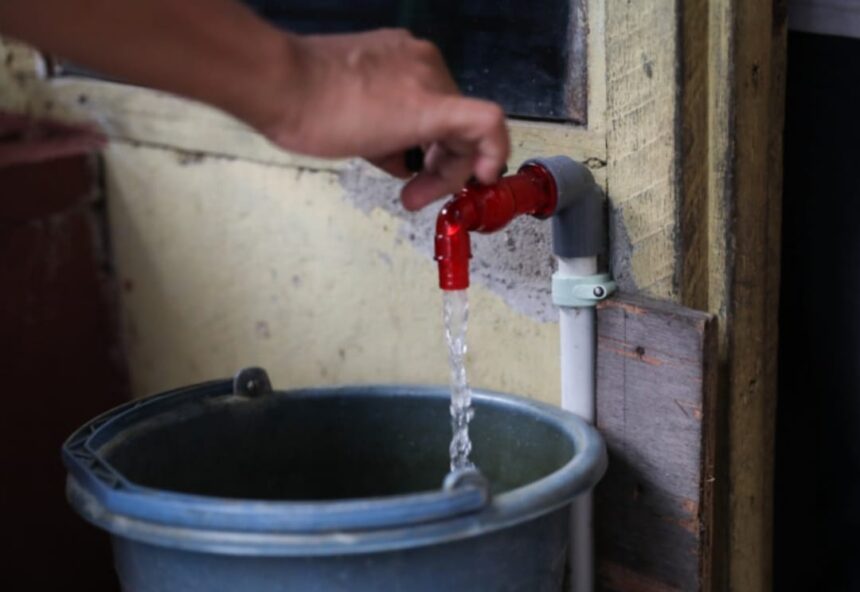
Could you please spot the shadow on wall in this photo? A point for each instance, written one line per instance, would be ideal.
(59, 357)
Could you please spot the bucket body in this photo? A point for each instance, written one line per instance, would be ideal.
(529, 557)
(213, 488)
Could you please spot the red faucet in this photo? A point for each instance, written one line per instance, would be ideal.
(488, 208)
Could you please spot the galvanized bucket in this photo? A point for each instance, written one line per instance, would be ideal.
(229, 486)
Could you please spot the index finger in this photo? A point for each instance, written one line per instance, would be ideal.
(474, 121)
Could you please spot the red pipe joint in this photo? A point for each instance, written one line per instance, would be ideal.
(486, 209)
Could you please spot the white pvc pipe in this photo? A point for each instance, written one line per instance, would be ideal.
(578, 337)
(578, 346)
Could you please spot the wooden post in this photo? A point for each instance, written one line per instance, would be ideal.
(731, 249)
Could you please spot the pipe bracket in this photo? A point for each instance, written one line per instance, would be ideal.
(581, 291)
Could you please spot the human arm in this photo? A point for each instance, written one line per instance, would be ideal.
(371, 95)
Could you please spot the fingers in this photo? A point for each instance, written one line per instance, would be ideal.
(480, 124)
(424, 189)
(466, 137)
(446, 171)
(394, 92)
(474, 142)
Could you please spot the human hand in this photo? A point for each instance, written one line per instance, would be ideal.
(377, 94)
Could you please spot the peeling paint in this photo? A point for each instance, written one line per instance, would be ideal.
(515, 263)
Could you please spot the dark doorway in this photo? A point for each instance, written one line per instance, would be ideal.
(818, 424)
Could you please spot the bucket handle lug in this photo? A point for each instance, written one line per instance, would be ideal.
(252, 382)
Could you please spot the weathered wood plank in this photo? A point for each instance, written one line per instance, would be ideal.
(758, 78)
(694, 156)
(745, 111)
(642, 52)
(657, 409)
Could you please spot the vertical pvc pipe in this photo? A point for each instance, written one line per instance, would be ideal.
(578, 347)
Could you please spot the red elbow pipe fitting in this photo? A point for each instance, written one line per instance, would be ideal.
(488, 208)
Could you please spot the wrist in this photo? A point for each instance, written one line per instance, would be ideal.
(269, 98)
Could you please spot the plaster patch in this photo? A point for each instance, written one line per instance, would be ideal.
(515, 263)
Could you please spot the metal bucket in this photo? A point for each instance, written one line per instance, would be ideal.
(230, 486)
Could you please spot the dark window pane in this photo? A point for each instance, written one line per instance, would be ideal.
(530, 57)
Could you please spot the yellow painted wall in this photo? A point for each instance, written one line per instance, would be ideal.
(225, 263)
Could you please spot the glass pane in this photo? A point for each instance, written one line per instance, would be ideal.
(530, 57)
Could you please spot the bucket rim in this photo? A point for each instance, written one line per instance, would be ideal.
(106, 498)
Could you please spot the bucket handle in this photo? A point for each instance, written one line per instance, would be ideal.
(252, 382)
(463, 492)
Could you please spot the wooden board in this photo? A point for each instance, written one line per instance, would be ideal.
(759, 83)
(732, 251)
(656, 407)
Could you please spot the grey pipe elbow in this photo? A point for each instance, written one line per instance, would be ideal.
(579, 222)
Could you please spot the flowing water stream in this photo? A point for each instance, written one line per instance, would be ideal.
(456, 313)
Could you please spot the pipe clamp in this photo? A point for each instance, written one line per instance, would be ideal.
(581, 291)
